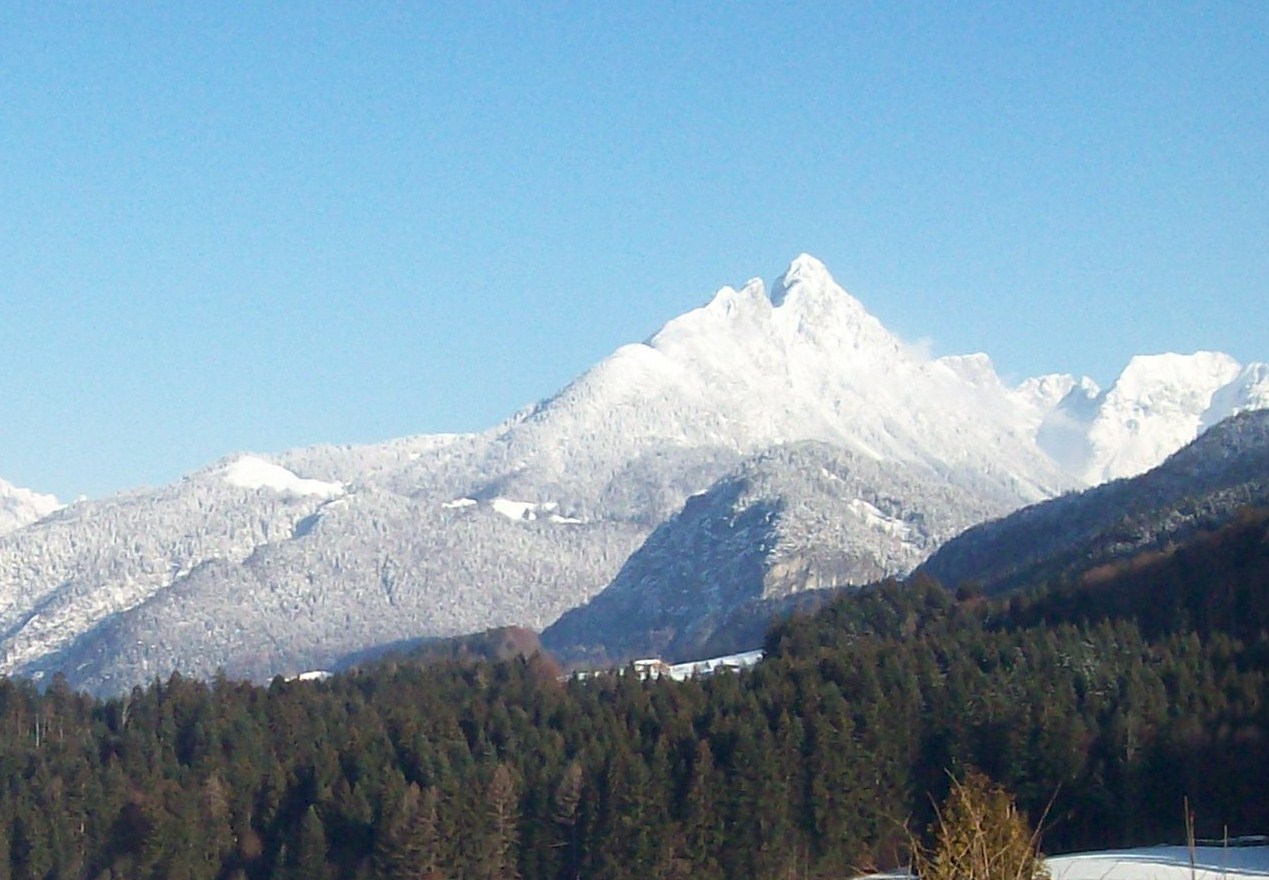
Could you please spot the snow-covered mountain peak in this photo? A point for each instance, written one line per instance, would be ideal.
(807, 284)
(805, 271)
(1169, 378)
(811, 307)
(806, 315)
(750, 301)
(1155, 407)
(1046, 392)
(730, 314)
(20, 507)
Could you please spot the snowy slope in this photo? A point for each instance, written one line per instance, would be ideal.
(19, 507)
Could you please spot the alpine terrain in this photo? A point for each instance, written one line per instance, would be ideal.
(810, 445)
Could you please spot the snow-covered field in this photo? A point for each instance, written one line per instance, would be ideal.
(1163, 863)
(1150, 863)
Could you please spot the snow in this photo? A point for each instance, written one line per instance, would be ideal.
(252, 472)
(1046, 392)
(459, 503)
(1248, 391)
(743, 660)
(976, 369)
(1148, 863)
(871, 515)
(20, 507)
(654, 667)
(1163, 863)
(1156, 405)
(517, 510)
(527, 511)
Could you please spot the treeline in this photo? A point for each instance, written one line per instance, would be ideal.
(1111, 698)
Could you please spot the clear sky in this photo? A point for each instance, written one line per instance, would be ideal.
(232, 227)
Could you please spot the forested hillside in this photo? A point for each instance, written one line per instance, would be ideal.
(1114, 698)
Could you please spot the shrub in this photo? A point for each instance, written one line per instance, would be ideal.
(978, 834)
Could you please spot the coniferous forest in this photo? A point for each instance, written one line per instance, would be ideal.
(1107, 699)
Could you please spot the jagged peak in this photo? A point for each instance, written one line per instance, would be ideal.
(807, 277)
(1046, 390)
(730, 301)
(804, 299)
(1055, 390)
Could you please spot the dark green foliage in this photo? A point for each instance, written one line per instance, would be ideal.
(1115, 697)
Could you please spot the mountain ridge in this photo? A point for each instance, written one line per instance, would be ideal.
(1199, 486)
(269, 564)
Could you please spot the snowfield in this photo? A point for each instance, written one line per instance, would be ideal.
(1162, 863)
(1148, 863)
(253, 472)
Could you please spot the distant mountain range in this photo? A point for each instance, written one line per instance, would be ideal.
(811, 447)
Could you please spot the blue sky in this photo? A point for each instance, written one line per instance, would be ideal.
(250, 227)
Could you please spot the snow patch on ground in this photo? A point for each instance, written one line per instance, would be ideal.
(871, 515)
(528, 511)
(566, 520)
(743, 660)
(1163, 863)
(252, 472)
(518, 510)
(1148, 863)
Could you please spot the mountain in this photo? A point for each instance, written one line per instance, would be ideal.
(802, 516)
(1156, 405)
(20, 507)
(1199, 487)
(270, 565)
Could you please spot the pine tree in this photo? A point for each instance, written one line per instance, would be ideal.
(310, 852)
(501, 844)
(565, 813)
